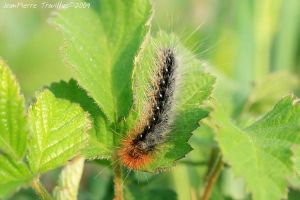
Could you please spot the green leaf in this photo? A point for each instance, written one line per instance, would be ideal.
(13, 125)
(58, 132)
(269, 90)
(194, 88)
(149, 185)
(296, 152)
(294, 194)
(101, 44)
(13, 133)
(261, 153)
(101, 135)
(294, 181)
(134, 193)
(13, 174)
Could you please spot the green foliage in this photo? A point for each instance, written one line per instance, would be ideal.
(112, 55)
(146, 184)
(13, 126)
(57, 133)
(158, 194)
(101, 44)
(102, 57)
(261, 153)
(296, 151)
(13, 174)
(101, 135)
(268, 91)
(13, 133)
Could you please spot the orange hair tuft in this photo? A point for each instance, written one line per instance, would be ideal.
(132, 157)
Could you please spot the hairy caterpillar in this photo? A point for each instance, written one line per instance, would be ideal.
(137, 150)
(155, 144)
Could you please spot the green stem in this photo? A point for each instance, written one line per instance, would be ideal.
(213, 176)
(40, 190)
(118, 188)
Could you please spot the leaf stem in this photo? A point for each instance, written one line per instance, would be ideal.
(213, 176)
(118, 188)
(40, 189)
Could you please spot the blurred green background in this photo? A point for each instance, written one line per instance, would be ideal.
(253, 46)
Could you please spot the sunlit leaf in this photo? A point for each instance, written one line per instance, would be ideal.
(269, 90)
(101, 135)
(261, 153)
(59, 131)
(13, 125)
(101, 44)
(13, 133)
(13, 174)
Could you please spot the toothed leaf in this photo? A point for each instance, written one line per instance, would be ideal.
(101, 135)
(261, 153)
(13, 125)
(13, 133)
(13, 174)
(268, 91)
(101, 44)
(59, 131)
